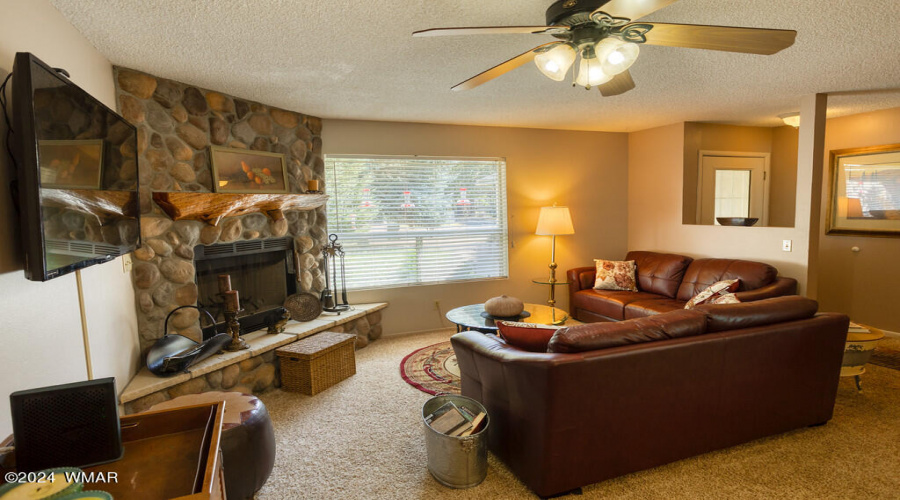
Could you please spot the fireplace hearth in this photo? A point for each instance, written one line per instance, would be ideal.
(261, 270)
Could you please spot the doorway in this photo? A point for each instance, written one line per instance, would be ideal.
(733, 184)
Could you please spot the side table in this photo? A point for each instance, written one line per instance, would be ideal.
(552, 283)
(861, 343)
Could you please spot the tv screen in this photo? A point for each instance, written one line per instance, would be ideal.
(77, 175)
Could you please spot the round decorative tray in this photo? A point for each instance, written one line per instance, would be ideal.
(303, 306)
(520, 316)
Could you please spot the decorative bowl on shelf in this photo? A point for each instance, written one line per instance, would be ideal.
(737, 221)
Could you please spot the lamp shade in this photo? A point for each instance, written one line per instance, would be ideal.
(554, 221)
(590, 73)
(555, 63)
(615, 55)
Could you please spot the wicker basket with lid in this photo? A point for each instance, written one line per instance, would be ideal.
(313, 364)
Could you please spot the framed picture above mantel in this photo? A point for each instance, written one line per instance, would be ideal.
(864, 193)
(248, 171)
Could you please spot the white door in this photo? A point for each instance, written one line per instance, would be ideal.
(732, 186)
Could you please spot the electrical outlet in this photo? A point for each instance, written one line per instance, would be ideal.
(786, 245)
(126, 263)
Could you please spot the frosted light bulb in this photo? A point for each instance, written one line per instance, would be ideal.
(555, 63)
(590, 73)
(616, 55)
(615, 58)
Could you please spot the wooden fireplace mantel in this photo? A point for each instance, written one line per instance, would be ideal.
(212, 207)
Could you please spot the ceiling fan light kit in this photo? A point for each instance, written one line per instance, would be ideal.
(603, 33)
(590, 70)
(555, 63)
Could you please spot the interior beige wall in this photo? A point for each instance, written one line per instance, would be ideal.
(783, 171)
(41, 325)
(585, 170)
(655, 188)
(861, 284)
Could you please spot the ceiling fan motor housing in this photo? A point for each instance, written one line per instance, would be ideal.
(572, 12)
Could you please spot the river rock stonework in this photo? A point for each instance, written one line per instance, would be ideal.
(177, 123)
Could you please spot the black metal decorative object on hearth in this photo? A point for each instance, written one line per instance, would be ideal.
(334, 257)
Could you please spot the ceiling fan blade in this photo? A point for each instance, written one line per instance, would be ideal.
(633, 9)
(501, 69)
(620, 84)
(491, 30)
(727, 38)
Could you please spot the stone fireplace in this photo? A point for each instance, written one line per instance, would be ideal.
(177, 123)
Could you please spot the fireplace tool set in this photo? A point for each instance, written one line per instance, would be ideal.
(334, 256)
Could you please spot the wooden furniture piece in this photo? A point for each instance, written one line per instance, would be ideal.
(248, 439)
(470, 318)
(316, 363)
(857, 351)
(168, 454)
(212, 207)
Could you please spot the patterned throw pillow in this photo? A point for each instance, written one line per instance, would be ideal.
(526, 336)
(615, 275)
(728, 298)
(713, 291)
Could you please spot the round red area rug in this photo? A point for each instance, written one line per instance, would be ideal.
(432, 369)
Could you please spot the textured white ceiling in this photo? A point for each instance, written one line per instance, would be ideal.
(356, 59)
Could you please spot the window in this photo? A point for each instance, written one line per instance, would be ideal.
(418, 220)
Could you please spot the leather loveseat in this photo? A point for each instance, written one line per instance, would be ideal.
(617, 397)
(666, 282)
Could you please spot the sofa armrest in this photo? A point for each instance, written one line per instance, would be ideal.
(781, 286)
(581, 278)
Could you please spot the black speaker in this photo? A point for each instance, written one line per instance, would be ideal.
(69, 425)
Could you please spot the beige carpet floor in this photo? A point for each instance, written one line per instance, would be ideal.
(363, 439)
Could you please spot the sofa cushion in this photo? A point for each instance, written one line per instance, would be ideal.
(712, 292)
(722, 317)
(609, 303)
(615, 275)
(643, 308)
(659, 272)
(526, 336)
(704, 272)
(592, 336)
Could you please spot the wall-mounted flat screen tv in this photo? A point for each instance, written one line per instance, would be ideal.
(77, 175)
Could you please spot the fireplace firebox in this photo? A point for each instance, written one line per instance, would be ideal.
(261, 270)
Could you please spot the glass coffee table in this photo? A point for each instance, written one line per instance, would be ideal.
(470, 318)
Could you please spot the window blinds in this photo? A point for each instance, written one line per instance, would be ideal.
(418, 220)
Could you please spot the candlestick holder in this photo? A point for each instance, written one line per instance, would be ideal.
(234, 329)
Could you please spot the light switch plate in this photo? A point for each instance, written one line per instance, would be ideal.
(126, 263)
(786, 245)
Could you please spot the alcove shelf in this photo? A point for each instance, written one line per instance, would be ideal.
(212, 207)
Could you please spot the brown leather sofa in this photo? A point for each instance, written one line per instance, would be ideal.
(614, 398)
(666, 282)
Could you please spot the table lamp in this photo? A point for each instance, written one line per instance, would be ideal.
(554, 221)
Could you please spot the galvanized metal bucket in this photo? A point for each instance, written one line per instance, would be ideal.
(457, 462)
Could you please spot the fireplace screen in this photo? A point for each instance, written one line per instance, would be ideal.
(261, 271)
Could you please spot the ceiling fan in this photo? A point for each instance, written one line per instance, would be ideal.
(602, 33)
